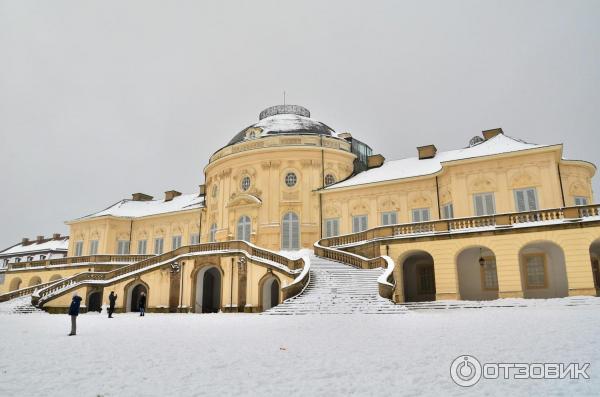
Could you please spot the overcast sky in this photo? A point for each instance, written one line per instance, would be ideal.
(102, 99)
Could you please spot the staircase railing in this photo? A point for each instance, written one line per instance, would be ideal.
(79, 259)
(24, 291)
(250, 251)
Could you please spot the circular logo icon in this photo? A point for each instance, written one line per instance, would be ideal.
(465, 371)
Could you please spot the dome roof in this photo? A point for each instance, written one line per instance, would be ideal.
(283, 120)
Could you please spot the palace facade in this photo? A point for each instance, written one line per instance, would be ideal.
(497, 218)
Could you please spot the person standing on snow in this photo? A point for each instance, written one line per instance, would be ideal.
(112, 299)
(74, 312)
(142, 304)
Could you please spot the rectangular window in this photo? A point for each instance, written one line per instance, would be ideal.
(420, 214)
(176, 242)
(158, 245)
(194, 239)
(122, 247)
(142, 245)
(359, 223)
(332, 227)
(526, 199)
(489, 275)
(447, 211)
(536, 271)
(484, 204)
(29, 258)
(581, 200)
(5, 262)
(42, 257)
(78, 248)
(389, 218)
(93, 247)
(17, 260)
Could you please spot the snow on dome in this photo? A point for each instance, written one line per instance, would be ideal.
(413, 166)
(283, 119)
(134, 209)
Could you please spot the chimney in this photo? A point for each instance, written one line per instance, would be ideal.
(427, 152)
(375, 161)
(171, 194)
(24, 241)
(141, 197)
(56, 236)
(202, 190)
(39, 239)
(488, 134)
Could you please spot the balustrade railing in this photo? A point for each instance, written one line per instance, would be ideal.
(72, 260)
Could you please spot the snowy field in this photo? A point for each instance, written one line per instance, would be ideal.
(228, 354)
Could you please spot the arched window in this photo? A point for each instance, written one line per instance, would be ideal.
(212, 234)
(290, 232)
(245, 183)
(244, 227)
(291, 179)
(329, 179)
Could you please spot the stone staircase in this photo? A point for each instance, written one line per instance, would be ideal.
(336, 288)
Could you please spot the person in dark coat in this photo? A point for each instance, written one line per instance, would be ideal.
(112, 299)
(74, 312)
(142, 304)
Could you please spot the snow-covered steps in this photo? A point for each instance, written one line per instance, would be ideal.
(336, 288)
(555, 302)
(20, 305)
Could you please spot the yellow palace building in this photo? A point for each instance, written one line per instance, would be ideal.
(498, 218)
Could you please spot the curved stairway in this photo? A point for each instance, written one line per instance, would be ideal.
(336, 288)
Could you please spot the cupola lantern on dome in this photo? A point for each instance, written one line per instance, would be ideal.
(284, 109)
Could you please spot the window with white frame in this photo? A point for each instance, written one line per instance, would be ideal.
(142, 247)
(536, 271)
(244, 228)
(123, 247)
(78, 248)
(420, 214)
(290, 232)
(389, 218)
(526, 199)
(93, 247)
(332, 227)
(212, 233)
(194, 239)
(447, 211)
(490, 275)
(580, 200)
(175, 242)
(484, 204)
(159, 243)
(359, 223)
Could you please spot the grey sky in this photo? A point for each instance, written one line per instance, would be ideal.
(99, 100)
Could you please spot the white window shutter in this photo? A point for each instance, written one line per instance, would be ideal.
(520, 198)
(532, 200)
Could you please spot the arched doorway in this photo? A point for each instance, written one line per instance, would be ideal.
(595, 261)
(208, 290)
(35, 281)
(244, 228)
(543, 271)
(15, 284)
(134, 293)
(477, 274)
(270, 293)
(419, 277)
(94, 302)
(290, 232)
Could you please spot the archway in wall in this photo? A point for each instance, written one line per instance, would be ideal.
(290, 232)
(15, 284)
(208, 290)
(270, 293)
(418, 277)
(543, 270)
(133, 297)
(34, 281)
(477, 274)
(55, 277)
(595, 262)
(94, 302)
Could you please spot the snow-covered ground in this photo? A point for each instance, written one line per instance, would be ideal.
(229, 354)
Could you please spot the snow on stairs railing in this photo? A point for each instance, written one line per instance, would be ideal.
(25, 291)
(250, 251)
(73, 260)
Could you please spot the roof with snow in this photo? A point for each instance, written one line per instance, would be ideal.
(414, 167)
(283, 119)
(135, 209)
(60, 244)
